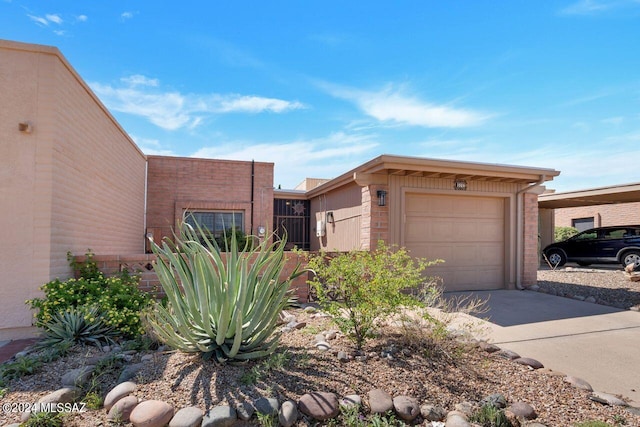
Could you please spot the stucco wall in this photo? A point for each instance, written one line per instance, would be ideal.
(603, 215)
(344, 234)
(177, 183)
(76, 181)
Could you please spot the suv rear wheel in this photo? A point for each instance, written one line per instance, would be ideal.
(556, 258)
(630, 257)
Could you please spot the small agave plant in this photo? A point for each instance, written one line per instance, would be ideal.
(225, 306)
(81, 325)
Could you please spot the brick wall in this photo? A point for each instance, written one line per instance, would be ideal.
(603, 215)
(177, 184)
(143, 265)
(530, 240)
(375, 218)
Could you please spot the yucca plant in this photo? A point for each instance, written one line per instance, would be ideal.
(224, 306)
(81, 325)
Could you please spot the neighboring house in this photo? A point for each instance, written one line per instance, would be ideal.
(71, 179)
(594, 207)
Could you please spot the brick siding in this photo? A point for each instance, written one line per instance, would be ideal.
(603, 215)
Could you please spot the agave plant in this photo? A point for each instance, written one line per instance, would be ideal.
(224, 306)
(81, 325)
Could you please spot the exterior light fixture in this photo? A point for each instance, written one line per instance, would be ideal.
(261, 231)
(460, 184)
(330, 219)
(382, 197)
(25, 127)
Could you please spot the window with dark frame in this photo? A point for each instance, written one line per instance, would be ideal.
(582, 224)
(216, 222)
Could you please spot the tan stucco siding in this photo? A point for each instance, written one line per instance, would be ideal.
(344, 234)
(75, 181)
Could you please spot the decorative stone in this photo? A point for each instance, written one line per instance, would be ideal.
(524, 410)
(151, 413)
(330, 335)
(342, 356)
(147, 358)
(323, 346)
(63, 395)
(267, 405)
(465, 408)
(118, 392)
(351, 400)
(288, 414)
(245, 411)
(496, 400)
(77, 377)
(590, 299)
(550, 372)
(456, 419)
(187, 417)
(122, 409)
(508, 354)
(406, 407)
(362, 358)
(527, 361)
(380, 401)
(130, 372)
(220, 416)
(432, 412)
(488, 347)
(607, 399)
(319, 405)
(578, 383)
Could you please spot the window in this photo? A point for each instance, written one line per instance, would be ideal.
(582, 224)
(216, 222)
(617, 233)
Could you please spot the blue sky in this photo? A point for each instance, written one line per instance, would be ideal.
(319, 87)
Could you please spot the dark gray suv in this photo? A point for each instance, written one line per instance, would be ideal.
(605, 245)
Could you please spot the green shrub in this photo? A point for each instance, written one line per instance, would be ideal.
(80, 325)
(44, 419)
(360, 287)
(117, 298)
(563, 233)
(225, 306)
(490, 416)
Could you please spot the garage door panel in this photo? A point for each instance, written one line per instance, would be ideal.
(466, 231)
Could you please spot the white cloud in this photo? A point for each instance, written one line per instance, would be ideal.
(173, 110)
(140, 80)
(593, 7)
(124, 16)
(151, 146)
(82, 18)
(59, 32)
(54, 18)
(39, 20)
(325, 157)
(391, 105)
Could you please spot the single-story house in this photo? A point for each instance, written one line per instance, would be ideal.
(72, 179)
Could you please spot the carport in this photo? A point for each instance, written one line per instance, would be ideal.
(548, 202)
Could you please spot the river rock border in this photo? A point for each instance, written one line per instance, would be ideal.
(121, 406)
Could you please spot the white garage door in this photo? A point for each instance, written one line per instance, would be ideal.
(465, 231)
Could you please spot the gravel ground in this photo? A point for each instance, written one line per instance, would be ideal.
(442, 372)
(607, 286)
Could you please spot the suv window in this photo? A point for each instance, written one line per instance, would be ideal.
(592, 235)
(616, 233)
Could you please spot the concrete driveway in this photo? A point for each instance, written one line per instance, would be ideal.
(596, 343)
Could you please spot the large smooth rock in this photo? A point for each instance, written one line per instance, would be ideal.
(267, 405)
(578, 383)
(118, 392)
(244, 411)
(288, 414)
(351, 400)
(527, 361)
(607, 399)
(151, 413)
(130, 372)
(77, 377)
(379, 401)
(122, 409)
(319, 405)
(62, 395)
(432, 412)
(524, 410)
(406, 407)
(456, 419)
(187, 417)
(220, 416)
